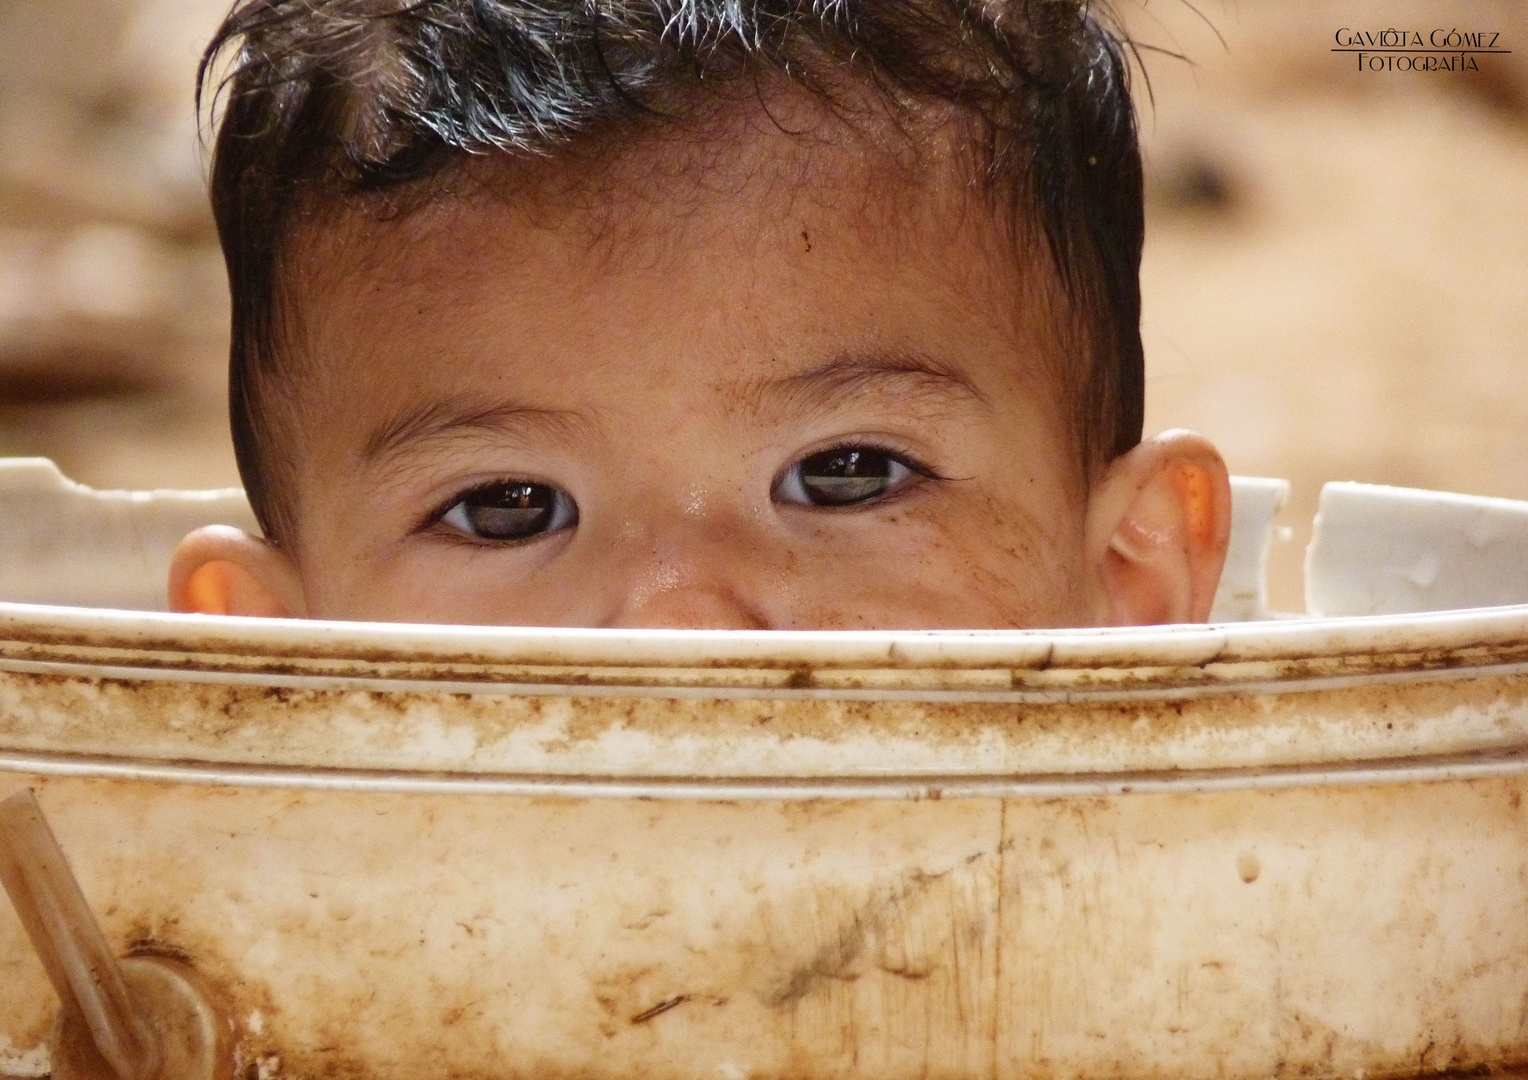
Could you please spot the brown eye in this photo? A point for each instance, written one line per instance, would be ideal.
(512, 510)
(843, 476)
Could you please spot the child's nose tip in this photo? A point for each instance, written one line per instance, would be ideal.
(688, 607)
(709, 570)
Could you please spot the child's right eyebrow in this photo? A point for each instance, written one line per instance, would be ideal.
(436, 420)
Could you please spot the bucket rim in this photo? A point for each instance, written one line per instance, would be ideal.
(207, 643)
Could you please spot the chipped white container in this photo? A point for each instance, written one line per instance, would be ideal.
(1271, 848)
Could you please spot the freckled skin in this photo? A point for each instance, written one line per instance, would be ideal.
(663, 332)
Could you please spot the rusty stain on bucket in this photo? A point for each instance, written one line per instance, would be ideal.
(1288, 849)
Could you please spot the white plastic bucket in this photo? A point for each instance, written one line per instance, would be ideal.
(1266, 849)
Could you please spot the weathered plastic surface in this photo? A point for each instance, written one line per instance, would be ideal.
(1269, 849)
(1380, 550)
(1280, 848)
(65, 543)
(1242, 594)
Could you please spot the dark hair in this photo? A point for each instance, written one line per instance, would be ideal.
(330, 100)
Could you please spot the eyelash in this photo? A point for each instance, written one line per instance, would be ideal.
(792, 475)
(560, 510)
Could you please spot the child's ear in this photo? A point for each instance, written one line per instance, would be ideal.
(1158, 526)
(220, 570)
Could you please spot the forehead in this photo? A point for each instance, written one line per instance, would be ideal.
(736, 183)
(776, 233)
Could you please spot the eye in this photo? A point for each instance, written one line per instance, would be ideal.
(843, 476)
(511, 510)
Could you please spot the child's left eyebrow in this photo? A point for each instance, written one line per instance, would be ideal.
(907, 375)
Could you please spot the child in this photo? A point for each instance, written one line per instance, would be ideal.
(786, 314)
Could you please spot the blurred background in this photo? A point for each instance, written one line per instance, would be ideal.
(1336, 271)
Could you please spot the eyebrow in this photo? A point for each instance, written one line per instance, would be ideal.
(905, 373)
(908, 374)
(437, 419)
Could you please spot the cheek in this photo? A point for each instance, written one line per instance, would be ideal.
(1001, 567)
(990, 565)
(425, 586)
(353, 567)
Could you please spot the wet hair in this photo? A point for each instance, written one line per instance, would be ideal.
(326, 103)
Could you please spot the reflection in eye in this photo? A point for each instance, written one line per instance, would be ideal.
(843, 476)
(512, 510)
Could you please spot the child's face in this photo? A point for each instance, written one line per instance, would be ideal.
(791, 394)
